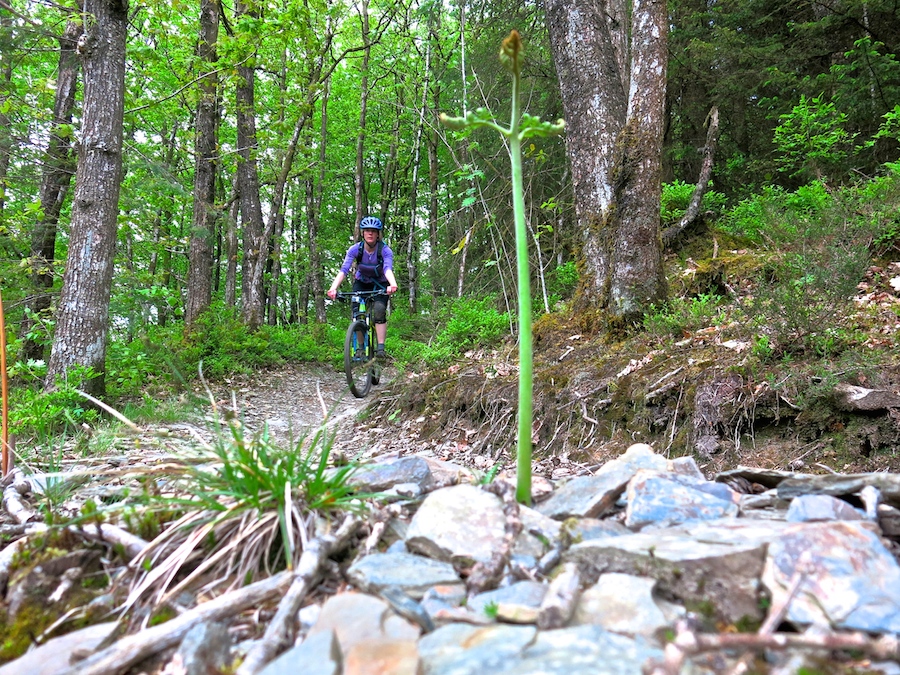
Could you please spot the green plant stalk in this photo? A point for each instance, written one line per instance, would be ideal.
(523, 442)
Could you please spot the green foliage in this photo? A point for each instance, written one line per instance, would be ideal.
(562, 282)
(35, 413)
(681, 315)
(813, 139)
(676, 196)
(466, 323)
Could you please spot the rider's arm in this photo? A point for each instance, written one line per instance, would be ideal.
(338, 280)
(392, 281)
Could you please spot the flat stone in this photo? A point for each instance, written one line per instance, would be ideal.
(320, 654)
(528, 594)
(461, 649)
(384, 475)
(413, 574)
(851, 580)
(769, 478)
(717, 564)
(841, 485)
(539, 533)
(53, 656)
(461, 524)
(592, 496)
(860, 399)
(356, 617)
(584, 650)
(811, 508)
(666, 499)
(621, 603)
(582, 529)
(378, 657)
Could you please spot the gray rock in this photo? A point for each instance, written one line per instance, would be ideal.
(461, 524)
(669, 499)
(769, 478)
(539, 533)
(357, 617)
(622, 603)
(686, 466)
(206, 648)
(319, 654)
(860, 399)
(851, 580)
(440, 598)
(582, 529)
(460, 649)
(413, 574)
(715, 566)
(382, 657)
(54, 656)
(592, 496)
(583, 650)
(527, 594)
(811, 508)
(384, 475)
(840, 485)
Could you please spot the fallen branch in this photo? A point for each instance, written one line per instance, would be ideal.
(277, 635)
(12, 502)
(709, 154)
(8, 554)
(132, 649)
(131, 544)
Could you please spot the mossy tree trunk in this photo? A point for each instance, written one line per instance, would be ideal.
(611, 60)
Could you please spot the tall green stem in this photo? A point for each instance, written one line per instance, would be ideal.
(523, 445)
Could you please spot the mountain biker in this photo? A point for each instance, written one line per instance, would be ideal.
(374, 268)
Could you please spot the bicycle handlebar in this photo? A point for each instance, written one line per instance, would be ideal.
(360, 294)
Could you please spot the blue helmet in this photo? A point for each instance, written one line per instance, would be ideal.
(370, 223)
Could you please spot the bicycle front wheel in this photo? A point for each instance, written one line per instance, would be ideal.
(358, 358)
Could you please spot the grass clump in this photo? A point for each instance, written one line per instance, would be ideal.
(245, 511)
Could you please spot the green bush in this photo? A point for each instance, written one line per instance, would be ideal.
(35, 413)
(680, 315)
(676, 197)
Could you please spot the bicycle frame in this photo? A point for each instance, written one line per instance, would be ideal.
(359, 347)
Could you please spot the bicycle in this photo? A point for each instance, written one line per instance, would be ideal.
(360, 364)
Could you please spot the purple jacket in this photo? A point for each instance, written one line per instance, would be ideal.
(369, 262)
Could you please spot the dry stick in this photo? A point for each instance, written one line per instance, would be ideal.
(12, 502)
(277, 634)
(135, 648)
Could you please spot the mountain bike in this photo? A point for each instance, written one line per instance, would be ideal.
(362, 368)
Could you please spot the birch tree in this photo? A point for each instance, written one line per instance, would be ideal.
(610, 58)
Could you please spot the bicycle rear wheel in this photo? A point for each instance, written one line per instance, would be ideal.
(358, 358)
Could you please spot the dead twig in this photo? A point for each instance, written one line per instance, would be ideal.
(277, 635)
(135, 648)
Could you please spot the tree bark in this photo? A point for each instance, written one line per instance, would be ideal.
(313, 209)
(200, 255)
(360, 198)
(82, 322)
(611, 61)
(254, 240)
(5, 126)
(55, 179)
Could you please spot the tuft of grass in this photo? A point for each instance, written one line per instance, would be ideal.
(245, 512)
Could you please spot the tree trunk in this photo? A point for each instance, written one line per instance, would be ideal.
(412, 246)
(5, 126)
(231, 247)
(57, 174)
(313, 209)
(82, 322)
(200, 255)
(360, 198)
(611, 62)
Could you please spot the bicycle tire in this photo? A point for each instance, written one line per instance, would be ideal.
(358, 370)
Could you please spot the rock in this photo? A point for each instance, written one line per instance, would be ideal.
(320, 654)
(459, 649)
(381, 476)
(851, 580)
(686, 466)
(769, 478)
(539, 533)
(622, 603)
(54, 656)
(582, 529)
(810, 508)
(668, 499)
(851, 398)
(382, 657)
(510, 599)
(205, 649)
(414, 574)
(592, 496)
(357, 617)
(714, 566)
(461, 524)
(841, 485)
(583, 650)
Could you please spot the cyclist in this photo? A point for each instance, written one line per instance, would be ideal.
(374, 268)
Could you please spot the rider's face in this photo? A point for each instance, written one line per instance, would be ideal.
(370, 236)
